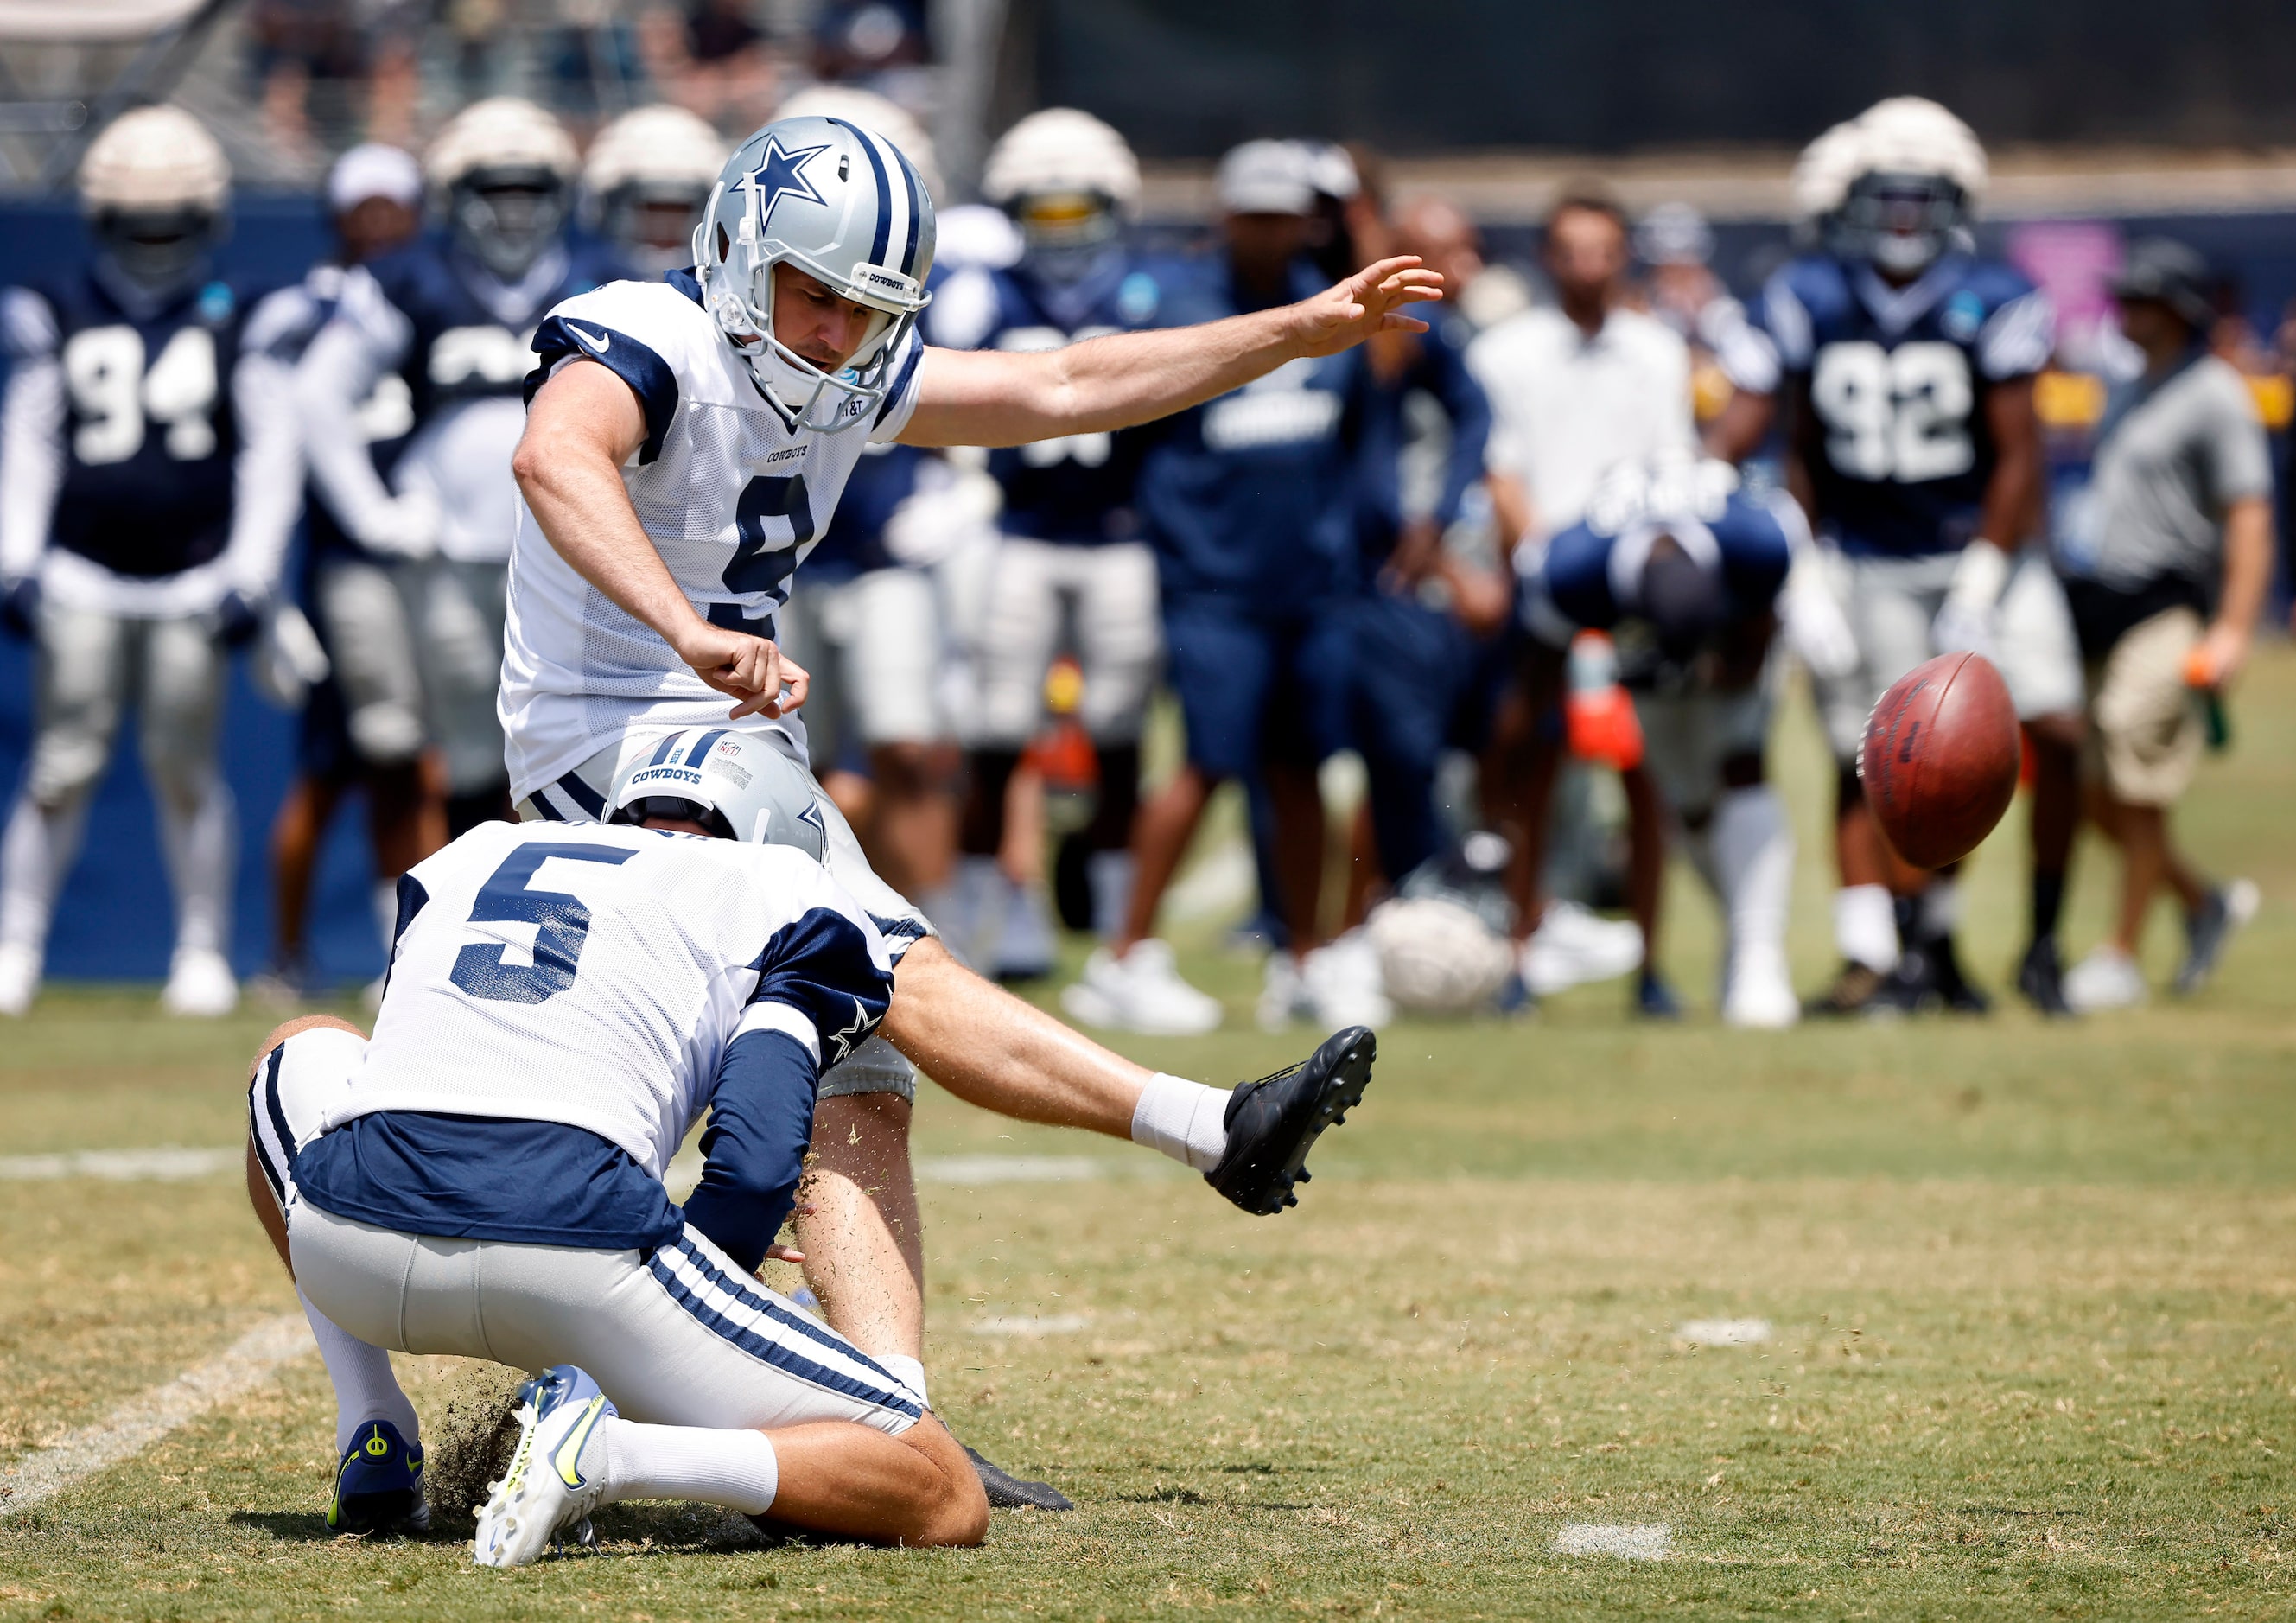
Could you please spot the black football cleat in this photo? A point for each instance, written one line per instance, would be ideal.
(1274, 1122)
(1007, 1492)
(1910, 989)
(2041, 979)
(1853, 990)
(1958, 993)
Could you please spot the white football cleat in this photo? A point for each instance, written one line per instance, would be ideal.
(1572, 946)
(1759, 992)
(20, 978)
(2107, 978)
(199, 985)
(547, 1487)
(1343, 983)
(1142, 992)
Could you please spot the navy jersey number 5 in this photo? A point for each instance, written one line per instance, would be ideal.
(562, 924)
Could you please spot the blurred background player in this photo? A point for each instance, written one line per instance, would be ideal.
(149, 479)
(1684, 570)
(450, 314)
(1072, 571)
(2182, 560)
(869, 621)
(1249, 504)
(1577, 387)
(646, 181)
(374, 204)
(1420, 454)
(1913, 443)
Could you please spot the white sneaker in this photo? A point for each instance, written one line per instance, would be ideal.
(20, 978)
(1343, 984)
(1572, 946)
(199, 985)
(1142, 992)
(1758, 993)
(2107, 978)
(546, 1486)
(1282, 996)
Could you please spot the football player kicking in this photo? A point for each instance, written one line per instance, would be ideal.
(1908, 366)
(567, 1001)
(685, 443)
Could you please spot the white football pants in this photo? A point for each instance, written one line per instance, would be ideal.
(91, 666)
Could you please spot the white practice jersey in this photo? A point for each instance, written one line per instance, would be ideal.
(732, 496)
(594, 975)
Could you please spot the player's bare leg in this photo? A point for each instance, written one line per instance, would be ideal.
(1645, 883)
(2054, 742)
(1161, 833)
(914, 1489)
(913, 815)
(858, 1226)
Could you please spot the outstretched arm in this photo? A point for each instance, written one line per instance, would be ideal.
(997, 398)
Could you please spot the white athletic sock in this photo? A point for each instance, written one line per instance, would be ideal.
(1183, 1120)
(1940, 908)
(365, 1389)
(386, 913)
(1866, 926)
(909, 1371)
(1110, 874)
(1754, 858)
(735, 1469)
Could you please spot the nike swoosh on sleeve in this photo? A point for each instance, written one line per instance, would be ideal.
(597, 345)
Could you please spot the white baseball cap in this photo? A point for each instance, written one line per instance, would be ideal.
(374, 171)
(1267, 178)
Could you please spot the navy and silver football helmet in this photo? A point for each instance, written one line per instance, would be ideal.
(1919, 176)
(843, 205)
(735, 784)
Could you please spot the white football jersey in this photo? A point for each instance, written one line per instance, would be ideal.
(732, 496)
(594, 975)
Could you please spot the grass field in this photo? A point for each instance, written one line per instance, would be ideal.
(2032, 1292)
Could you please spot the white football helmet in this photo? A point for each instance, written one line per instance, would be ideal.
(735, 784)
(1919, 176)
(154, 185)
(1067, 179)
(646, 180)
(843, 205)
(506, 168)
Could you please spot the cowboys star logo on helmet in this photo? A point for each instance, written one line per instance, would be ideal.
(780, 174)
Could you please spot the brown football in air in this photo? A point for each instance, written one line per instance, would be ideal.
(1940, 759)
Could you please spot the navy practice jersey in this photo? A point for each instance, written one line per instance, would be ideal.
(1590, 577)
(1251, 497)
(150, 434)
(884, 478)
(1438, 369)
(1075, 488)
(1898, 379)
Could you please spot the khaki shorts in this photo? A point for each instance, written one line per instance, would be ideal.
(2144, 735)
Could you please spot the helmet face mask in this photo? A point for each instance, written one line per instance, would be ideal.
(1903, 224)
(508, 217)
(846, 208)
(158, 249)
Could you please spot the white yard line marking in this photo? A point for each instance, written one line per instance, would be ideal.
(1723, 1333)
(1634, 1541)
(1010, 1169)
(168, 1163)
(141, 1422)
(1022, 1324)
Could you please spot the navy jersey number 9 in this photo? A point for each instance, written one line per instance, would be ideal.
(562, 924)
(754, 567)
